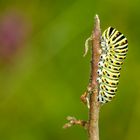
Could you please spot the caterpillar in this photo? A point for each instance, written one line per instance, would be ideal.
(114, 47)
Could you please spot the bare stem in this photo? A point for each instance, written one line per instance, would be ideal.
(92, 124)
(93, 129)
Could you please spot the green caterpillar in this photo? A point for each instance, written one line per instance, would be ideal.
(114, 46)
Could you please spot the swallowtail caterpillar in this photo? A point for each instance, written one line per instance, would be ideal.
(114, 47)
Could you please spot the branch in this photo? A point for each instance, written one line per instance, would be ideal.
(93, 129)
(90, 96)
(74, 121)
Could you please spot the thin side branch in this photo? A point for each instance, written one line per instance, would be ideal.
(73, 121)
(93, 129)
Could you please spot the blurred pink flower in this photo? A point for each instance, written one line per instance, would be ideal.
(13, 32)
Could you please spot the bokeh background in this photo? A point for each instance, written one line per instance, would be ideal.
(43, 73)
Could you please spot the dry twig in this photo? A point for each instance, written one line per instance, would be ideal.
(92, 90)
(73, 121)
(93, 129)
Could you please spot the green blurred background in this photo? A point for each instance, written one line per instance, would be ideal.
(43, 73)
